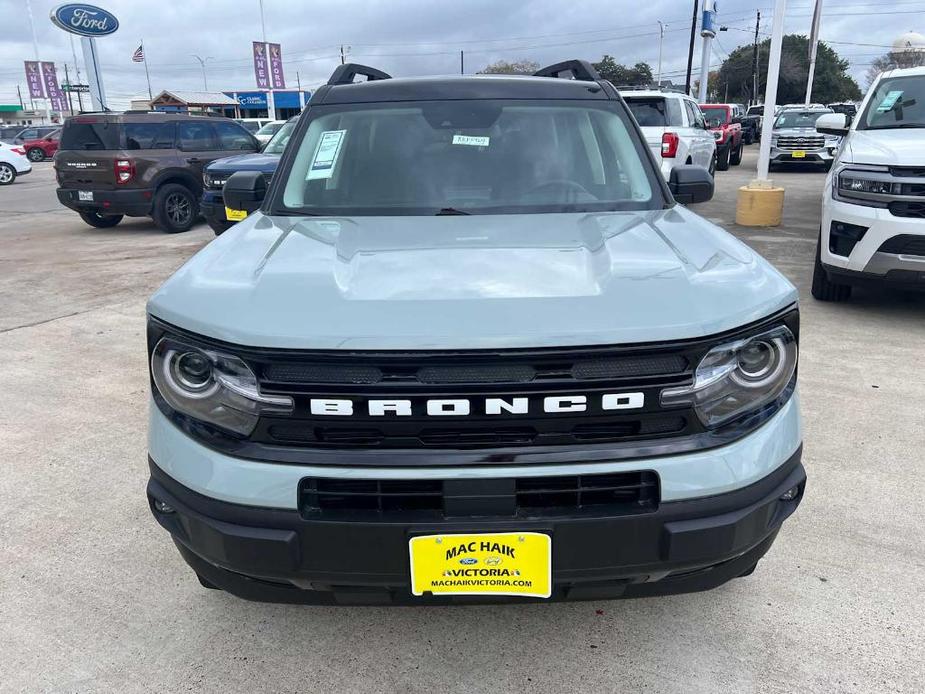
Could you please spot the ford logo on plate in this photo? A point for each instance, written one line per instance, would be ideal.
(84, 20)
(468, 561)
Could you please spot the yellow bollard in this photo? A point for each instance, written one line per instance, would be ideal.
(759, 204)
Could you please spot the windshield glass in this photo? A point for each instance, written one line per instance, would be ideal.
(250, 126)
(486, 156)
(269, 128)
(649, 112)
(715, 116)
(898, 102)
(278, 142)
(798, 119)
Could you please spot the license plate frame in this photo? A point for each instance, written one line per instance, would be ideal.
(84, 196)
(235, 215)
(514, 564)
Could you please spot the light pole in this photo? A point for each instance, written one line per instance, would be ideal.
(271, 101)
(202, 64)
(661, 37)
(813, 45)
(35, 47)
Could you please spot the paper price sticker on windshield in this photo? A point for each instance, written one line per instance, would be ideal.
(472, 140)
(326, 154)
(889, 101)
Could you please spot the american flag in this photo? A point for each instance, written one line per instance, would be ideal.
(139, 55)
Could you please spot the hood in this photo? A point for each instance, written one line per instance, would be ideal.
(265, 163)
(470, 282)
(900, 147)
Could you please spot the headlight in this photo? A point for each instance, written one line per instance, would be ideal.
(213, 182)
(717, 134)
(870, 188)
(738, 377)
(211, 386)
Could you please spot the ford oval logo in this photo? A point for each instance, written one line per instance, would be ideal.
(468, 561)
(84, 20)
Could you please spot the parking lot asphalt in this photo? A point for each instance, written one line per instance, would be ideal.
(93, 596)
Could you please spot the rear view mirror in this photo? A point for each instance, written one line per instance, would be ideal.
(689, 183)
(832, 124)
(245, 190)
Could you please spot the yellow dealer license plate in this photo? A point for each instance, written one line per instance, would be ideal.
(234, 215)
(798, 154)
(482, 564)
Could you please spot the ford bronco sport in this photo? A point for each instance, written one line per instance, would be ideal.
(469, 345)
(111, 165)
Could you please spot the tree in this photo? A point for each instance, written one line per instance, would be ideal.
(895, 59)
(831, 83)
(518, 67)
(621, 75)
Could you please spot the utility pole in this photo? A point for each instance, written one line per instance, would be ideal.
(755, 62)
(22, 106)
(202, 64)
(813, 45)
(690, 50)
(462, 63)
(343, 54)
(67, 78)
(661, 37)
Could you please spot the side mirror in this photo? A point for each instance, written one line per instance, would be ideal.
(245, 190)
(688, 183)
(832, 124)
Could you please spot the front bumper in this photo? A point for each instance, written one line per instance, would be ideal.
(212, 206)
(132, 203)
(824, 155)
(277, 555)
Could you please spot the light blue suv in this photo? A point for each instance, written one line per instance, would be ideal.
(468, 346)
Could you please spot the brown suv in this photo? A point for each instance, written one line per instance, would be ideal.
(142, 164)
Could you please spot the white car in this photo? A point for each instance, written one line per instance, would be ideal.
(268, 130)
(253, 124)
(674, 128)
(873, 205)
(13, 163)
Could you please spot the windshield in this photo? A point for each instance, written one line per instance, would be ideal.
(715, 116)
(485, 156)
(898, 102)
(250, 126)
(798, 119)
(269, 128)
(278, 142)
(649, 112)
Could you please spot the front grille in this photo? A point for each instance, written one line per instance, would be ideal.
(904, 244)
(907, 171)
(620, 493)
(807, 142)
(522, 381)
(907, 208)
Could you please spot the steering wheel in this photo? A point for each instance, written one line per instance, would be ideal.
(566, 186)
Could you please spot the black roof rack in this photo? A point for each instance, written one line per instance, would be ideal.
(344, 74)
(576, 69)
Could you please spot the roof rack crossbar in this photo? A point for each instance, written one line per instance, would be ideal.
(570, 69)
(344, 74)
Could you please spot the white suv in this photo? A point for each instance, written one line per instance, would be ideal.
(674, 129)
(873, 207)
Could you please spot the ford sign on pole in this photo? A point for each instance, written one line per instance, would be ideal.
(84, 20)
(88, 22)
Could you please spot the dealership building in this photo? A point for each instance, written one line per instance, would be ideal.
(234, 104)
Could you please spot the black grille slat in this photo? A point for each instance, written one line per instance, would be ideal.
(904, 244)
(912, 209)
(347, 499)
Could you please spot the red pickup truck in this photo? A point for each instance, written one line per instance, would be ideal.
(727, 129)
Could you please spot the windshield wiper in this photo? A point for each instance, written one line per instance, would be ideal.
(449, 211)
(895, 126)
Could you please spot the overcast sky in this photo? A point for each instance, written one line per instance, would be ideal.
(417, 37)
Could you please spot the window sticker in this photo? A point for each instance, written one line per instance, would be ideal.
(889, 101)
(473, 140)
(326, 154)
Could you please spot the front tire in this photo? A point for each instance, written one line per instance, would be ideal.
(7, 174)
(823, 289)
(36, 154)
(100, 221)
(736, 158)
(722, 161)
(176, 208)
(219, 227)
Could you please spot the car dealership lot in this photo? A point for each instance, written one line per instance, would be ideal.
(92, 597)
